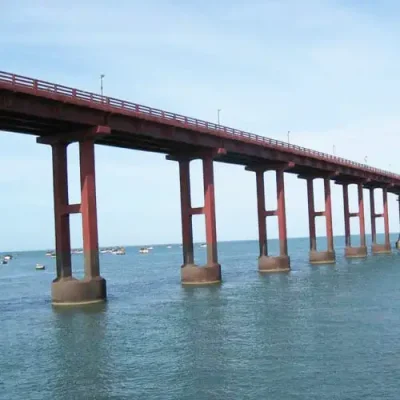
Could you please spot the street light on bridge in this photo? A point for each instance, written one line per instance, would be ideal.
(219, 110)
(288, 136)
(101, 83)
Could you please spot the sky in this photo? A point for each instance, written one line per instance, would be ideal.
(327, 71)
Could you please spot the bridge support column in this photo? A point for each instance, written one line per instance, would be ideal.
(192, 274)
(380, 248)
(361, 251)
(267, 263)
(67, 290)
(328, 256)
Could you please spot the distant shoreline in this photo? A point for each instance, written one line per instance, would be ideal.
(179, 243)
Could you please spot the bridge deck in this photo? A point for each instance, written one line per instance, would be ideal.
(36, 107)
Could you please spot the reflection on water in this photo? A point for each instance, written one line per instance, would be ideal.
(81, 352)
(327, 332)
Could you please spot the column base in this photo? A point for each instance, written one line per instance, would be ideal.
(356, 252)
(192, 274)
(322, 257)
(273, 264)
(71, 291)
(381, 248)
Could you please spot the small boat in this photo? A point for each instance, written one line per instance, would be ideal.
(144, 250)
(168, 247)
(49, 253)
(119, 252)
(203, 245)
(8, 257)
(4, 261)
(40, 266)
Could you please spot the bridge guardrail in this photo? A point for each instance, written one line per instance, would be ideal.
(38, 86)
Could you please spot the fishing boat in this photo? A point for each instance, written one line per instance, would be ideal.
(40, 266)
(8, 257)
(143, 250)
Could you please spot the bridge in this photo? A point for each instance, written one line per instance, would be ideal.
(60, 115)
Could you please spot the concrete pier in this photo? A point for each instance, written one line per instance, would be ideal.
(192, 274)
(315, 256)
(267, 263)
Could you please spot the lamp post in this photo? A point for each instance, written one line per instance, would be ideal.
(288, 136)
(334, 150)
(101, 83)
(219, 110)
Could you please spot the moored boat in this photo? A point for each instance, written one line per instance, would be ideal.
(40, 266)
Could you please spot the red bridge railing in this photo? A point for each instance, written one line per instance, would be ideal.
(39, 87)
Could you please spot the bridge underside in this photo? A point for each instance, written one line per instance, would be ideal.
(48, 119)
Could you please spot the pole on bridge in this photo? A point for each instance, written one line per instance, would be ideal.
(376, 247)
(328, 256)
(267, 263)
(192, 274)
(350, 251)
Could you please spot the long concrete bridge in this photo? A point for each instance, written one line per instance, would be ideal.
(60, 115)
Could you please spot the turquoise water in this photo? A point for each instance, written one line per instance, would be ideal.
(316, 333)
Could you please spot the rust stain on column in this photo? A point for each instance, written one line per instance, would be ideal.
(311, 214)
(372, 209)
(187, 227)
(262, 225)
(361, 214)
(209, 210)
(386, 217)
(280, 186)
(328, 213)
(346, 215)
(62, 223)
(88, 209)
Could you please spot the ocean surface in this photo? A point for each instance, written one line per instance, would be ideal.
(326, 332)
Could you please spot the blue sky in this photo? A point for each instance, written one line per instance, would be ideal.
(325, 70)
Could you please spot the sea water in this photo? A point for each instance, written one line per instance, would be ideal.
(318, 332)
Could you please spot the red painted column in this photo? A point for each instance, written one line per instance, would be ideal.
(328, 213)
(89, 209)
(281, 212)
(62, 224)
(311, 214)
(361, 215)
(262, 224)
(372, 209)
(209, 211)
(386, 217)
(346, 215)
(187, 227)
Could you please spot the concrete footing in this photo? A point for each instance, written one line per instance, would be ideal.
(73, 291)
(381, 249)
(192, 274)
(322, 257)
(273, 264)
(356, 252)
